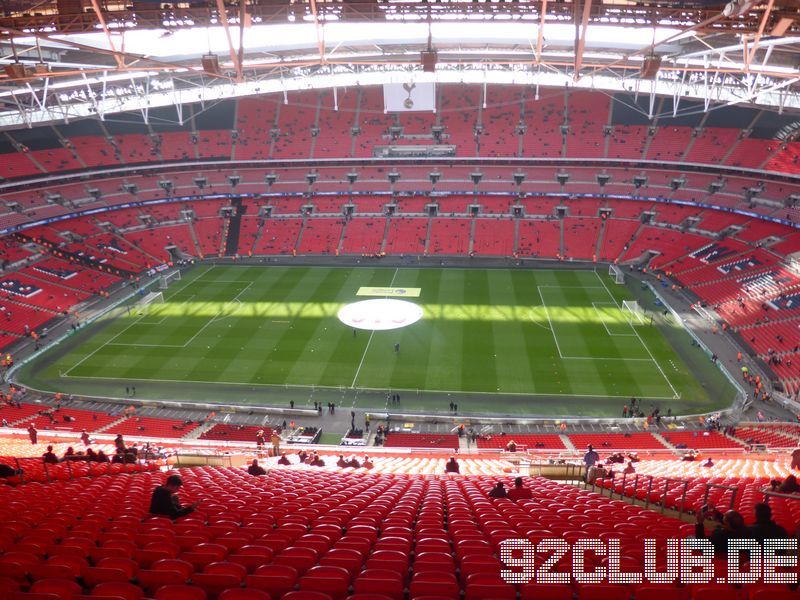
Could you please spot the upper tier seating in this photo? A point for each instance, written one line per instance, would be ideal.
(314, 124)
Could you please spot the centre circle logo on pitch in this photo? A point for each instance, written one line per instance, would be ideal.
(380, 314)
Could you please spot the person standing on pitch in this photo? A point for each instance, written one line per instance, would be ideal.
(397, 348)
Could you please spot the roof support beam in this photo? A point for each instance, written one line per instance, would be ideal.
(102, 19)
(320, 36)
(754, 48)
(540, 37)
(581, 36)
(223, 16)
(649, 49)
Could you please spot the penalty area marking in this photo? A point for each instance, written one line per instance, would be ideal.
(658, 365)
(599, 358)
(603, 321)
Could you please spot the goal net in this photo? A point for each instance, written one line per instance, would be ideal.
(166, 280)
(635, 312)
(616, 273)
(151, 298)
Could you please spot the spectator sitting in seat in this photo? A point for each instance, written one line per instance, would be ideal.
(353, 462)
(498, 491)
(452, 466)
(731, 527)
(7, 471)
(519, 491)
(765, 528)
(255, 469)
(511, 446)
(342, 463)
(367, 464)
(630, 469)
(50, 457)
(284, 460)
(789, 485)
(316, 460)
(165, 499)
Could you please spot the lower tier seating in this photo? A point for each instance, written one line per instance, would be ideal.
(421, 440)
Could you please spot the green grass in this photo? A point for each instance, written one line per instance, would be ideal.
(495, 340)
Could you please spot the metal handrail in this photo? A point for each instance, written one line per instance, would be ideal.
(732, 488)
(685, 485)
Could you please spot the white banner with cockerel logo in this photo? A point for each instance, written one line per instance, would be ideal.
(409, 97)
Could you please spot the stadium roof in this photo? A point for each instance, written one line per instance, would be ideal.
(62, 65)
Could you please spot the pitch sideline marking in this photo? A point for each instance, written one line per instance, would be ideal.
(658, 365)
(340, 388)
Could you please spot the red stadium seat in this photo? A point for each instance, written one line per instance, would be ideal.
(301, 595)
(244, 594)
(151, 579)
(545, 591)
(126, 591)
(380, 581)
(333, 581)
(64, 589)
(180, 592)
(603, 592)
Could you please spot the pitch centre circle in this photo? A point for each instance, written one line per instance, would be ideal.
(380, 314)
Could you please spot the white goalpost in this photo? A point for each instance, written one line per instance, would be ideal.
(166, 280)
(616, 273)
(632, 308)
(151, 298)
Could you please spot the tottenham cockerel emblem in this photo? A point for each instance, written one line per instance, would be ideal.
(409, 88)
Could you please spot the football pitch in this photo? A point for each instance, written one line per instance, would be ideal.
(495, 341)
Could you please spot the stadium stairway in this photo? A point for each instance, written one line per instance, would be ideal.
(663, 440)
(567, 442)
(300, 233)
(600, 234)
(195, 433)
(111, 425)
(234, 227)
(195, 240)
